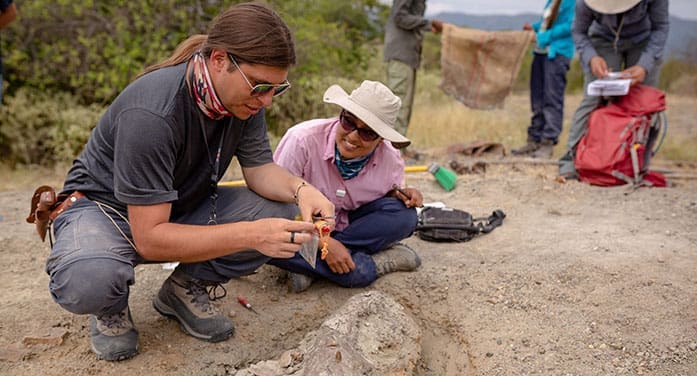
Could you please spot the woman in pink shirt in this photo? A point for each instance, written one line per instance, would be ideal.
(353, 159)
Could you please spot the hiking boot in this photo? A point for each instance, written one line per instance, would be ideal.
(114, 337)
(299, 282)
(398, 258)
(545, 149)
(188, 300)
(526, 149)
(566, 176)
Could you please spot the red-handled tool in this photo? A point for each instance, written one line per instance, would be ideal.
(245, 304)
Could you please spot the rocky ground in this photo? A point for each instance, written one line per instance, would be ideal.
(579, 280)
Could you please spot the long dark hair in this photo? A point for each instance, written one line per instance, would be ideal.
(252, 32)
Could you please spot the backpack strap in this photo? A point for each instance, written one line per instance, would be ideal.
(493, 221)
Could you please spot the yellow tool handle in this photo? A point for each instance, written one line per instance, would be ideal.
(241, 183)
(415, 168)
(233, 183)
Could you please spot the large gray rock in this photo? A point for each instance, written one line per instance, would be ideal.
(369, 335)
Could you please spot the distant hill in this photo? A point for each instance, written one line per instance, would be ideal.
(682, 31)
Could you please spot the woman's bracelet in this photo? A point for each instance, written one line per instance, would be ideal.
(297, 191)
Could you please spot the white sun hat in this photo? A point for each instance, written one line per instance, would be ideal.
(611, 6)
(373, 103)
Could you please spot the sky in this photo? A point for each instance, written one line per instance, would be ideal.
(686, 9)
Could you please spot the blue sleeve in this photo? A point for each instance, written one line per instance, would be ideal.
(562, 25)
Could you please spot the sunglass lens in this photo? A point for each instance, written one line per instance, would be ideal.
(367, 134)
(280, 89)
(349, 125)
(261, 89)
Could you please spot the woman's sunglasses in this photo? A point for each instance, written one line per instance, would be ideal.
(261, 89)
(348, 123)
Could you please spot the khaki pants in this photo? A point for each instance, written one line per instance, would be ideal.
(401, 79)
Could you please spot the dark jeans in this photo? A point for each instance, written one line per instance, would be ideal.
(91, 266)
(547, 84)
(372, 228)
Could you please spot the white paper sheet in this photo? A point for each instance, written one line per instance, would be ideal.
(609, 87)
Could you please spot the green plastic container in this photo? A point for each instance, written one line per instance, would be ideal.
(445, 177)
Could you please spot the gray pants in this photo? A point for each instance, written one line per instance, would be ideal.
(626, 55)
(91, 265)
(401, 79)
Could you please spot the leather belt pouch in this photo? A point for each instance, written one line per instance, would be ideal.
(45, 207)
(42, 202)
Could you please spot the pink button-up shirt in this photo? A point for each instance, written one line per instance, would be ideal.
(307, 150)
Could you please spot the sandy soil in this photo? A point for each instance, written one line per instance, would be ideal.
(579, 280)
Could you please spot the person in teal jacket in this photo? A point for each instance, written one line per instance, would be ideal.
(552, 54)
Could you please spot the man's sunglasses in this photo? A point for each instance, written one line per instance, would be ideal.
(348, 123)
(261, 89)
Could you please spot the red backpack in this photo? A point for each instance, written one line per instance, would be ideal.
(619, 142)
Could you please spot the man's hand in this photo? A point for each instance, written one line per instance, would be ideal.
(279, 237)
(313, 204)
(599, 67)
(437, 26)
(636, 73)
(339, 259)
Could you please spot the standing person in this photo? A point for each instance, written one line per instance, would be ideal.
(145, 186)
(404, 35)
(552, 54)
(353, 160)
(8, 13)
(626, 36)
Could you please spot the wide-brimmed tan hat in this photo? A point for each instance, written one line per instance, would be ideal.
(611, 6)
(373, 103)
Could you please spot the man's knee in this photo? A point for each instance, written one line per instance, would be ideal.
(92, 286)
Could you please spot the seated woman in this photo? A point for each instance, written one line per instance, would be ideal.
(353, 160)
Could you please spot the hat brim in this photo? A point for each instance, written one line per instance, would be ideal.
(611, 7)
(336, 95)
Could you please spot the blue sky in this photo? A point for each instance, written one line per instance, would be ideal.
(686, 9)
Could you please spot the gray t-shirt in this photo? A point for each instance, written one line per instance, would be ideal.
(149, 147)
(404, 32)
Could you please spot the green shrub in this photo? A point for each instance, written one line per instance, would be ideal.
(94, 49)
(40, 127)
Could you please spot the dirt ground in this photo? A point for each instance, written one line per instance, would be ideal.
(579, 280)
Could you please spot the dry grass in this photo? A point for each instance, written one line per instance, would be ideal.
(439, 120)
(30, 177)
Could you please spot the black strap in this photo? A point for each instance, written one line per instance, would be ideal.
(493, 221)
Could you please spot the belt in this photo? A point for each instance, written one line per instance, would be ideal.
(65, 204)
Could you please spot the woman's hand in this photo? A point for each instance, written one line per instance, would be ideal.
(411, 197)
(339, 258)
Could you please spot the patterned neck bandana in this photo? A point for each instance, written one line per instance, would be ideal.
(199, 82)
(350, 168)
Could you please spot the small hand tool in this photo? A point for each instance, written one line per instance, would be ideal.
(400, 190)
(246, 304)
